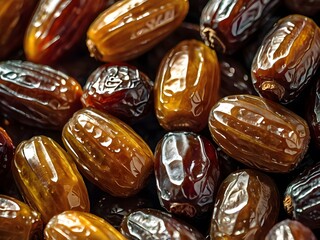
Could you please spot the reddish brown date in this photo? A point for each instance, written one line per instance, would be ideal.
(121, 90)
(37, 95)
(246, 207)
(287, 59)
(6, 155)
(187, 173)
(304, 7)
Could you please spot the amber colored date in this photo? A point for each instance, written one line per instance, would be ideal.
(186, 87)
(57, 26)
(108, 152)
(47, 178)
(80, 225)
(246, 207)
(259, 133)
(287, 59)
(129, 28)
(6, 155)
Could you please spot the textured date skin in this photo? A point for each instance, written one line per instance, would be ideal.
(37, 95)
(121, 90)
(304, 7)
(48, 179)
(57, 26)
(80, 225)
(246, 207)
(18, 221)
(6, 154)
(259, 133)
(226, 25)
(287, 59)
(187, 173)
(130, 28)
(108, 152)
(290, 230)
(187, 86)
(148, 224)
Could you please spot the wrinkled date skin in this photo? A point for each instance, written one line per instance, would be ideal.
(108, 152)
(121, 90)
(287, 59)
(80, 225)
(6, 155)
(57, 26)
(186, 87)
(148, 224)
(304, 7)
(246, 207)
(18, 221)
(130, 28)
(259, 133)
(14, 18)
(187, 173)
(226, 25)
(48, 179)
(290, 230)
(37, 95)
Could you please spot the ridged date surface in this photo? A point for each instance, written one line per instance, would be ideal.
(129, 28)
(48, 179)
(121, 90)
(149, 224)
(18, 221)
(187, 173)
(226, 25)
(37, 95)
(108, 152)
(57, 26)
(186, 87)
(246, 207)
(287, 59)
(259, 132)
(79, 225)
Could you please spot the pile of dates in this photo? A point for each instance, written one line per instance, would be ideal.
(160, 119)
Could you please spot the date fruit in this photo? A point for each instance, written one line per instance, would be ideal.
(246, 207)
(130, 28)
(80, 225)
(287, 59)
(304, 7)
(259, 133)
(6, 155)
(187, 86)
(48, 179)
(108, 152)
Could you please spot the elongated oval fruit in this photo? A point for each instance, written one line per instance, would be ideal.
(80, 225)
(48, 179)
(57, 26)
(37, 95)
(108, 152)
(187, 86)
(18, 221)
(129, 28)
(259, 133)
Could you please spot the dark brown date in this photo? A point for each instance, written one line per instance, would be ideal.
(187, 173)
(6, 155)
(246, 207)
(305, 7)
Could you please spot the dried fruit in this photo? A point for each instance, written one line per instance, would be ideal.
(304, 7)
(6, 155)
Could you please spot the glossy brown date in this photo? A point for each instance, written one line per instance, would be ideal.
(246, 207)
(287, 59)
(259, 133)
(6, 155)
(48, 179)
(186, 87)
(187, 173)
(119, 89)
(37, 95)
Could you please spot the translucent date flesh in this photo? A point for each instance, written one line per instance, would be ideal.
(287, 59)
(259, 133)
(37, 95)
(18, 221)
(187, 86)
(48, 179)
(80, 225)
(129, 28)
(108, 152)
(246, 207)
